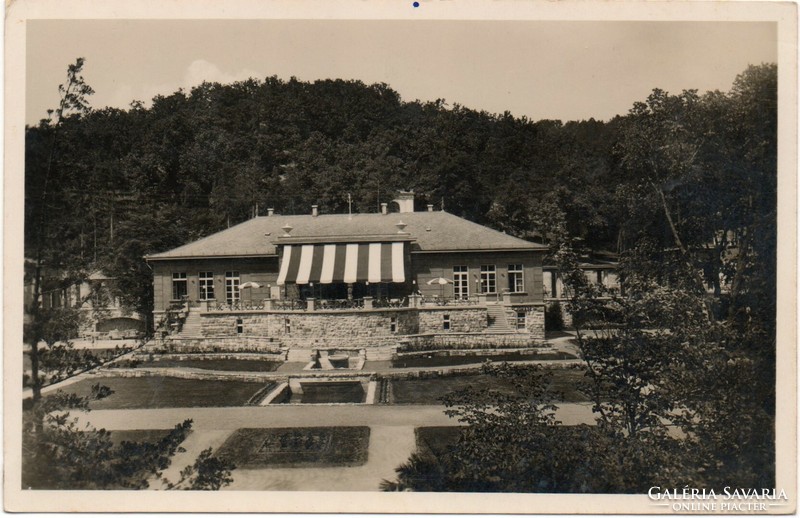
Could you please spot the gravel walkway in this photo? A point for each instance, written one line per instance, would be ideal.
(391, 438)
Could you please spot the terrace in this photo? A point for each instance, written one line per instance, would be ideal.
(364, 303)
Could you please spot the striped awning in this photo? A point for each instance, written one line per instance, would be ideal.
(342, 263)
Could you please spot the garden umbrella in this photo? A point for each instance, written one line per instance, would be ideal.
(441, 281)
(249, 285)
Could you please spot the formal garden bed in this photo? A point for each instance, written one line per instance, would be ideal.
(168, 392)
(445, 358)
(429, 390)
(138, 436)
(319, 447)
(217, 364)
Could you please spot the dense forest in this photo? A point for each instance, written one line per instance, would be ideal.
(108, 186)
(683, 187)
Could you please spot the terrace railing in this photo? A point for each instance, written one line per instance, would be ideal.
(390, 303)
(238, 305)
(444, 301)
(335, 304)
(289, 305)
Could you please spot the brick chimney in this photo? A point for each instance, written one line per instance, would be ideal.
(405, 200)
(270, 212)
(314, 211)
(384, 208)
(430, 207)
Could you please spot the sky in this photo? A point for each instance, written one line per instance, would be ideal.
(538, 69)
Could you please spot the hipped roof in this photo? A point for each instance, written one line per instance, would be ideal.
(429, 232)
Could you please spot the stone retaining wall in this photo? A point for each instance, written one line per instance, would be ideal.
(308, 325)
(344, 324)
(258, 356)
(461, 320)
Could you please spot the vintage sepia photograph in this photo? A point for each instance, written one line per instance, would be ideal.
(514, 255)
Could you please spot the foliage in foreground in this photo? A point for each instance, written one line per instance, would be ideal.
(58, 452)
(514, 443)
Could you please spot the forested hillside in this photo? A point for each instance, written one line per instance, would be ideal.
(675, 170)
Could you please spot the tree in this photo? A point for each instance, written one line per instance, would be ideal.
(513, 443)
(679, 365)
(73, 103)
(60, 453)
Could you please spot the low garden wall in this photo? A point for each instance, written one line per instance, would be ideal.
(471, 352)
(239, 344)
(468, 341)
(186, 373)
(156, 355)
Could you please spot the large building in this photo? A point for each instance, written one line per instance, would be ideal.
(103, 314)
(371, 281)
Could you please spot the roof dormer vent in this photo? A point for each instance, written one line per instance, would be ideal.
(401, 227)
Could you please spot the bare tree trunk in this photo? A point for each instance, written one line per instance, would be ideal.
(36, 305)
(685, 253)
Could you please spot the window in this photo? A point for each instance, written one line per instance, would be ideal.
(179, 290)
(488, 278)
(446, 322)
(239, 326)
(287, 326)
(393, 325)
(521, 320)
(232, 287)
(516, 282)
(206, 285)
(460, 282)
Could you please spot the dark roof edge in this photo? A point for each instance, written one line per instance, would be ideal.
(176, 258)
(479, 250)
(366, 238)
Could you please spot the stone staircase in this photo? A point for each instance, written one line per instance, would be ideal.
(498, 320)
(191, 326)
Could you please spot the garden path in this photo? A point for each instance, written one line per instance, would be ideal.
(391, 438)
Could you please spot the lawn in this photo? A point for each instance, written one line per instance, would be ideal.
(259, 448)
(217, 364)
(429, 391)
(443, 360)
(167, 392)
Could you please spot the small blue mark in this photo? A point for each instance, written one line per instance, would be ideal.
(415, 4)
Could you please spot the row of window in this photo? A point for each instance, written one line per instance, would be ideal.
(180, 286)
(488, 280)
